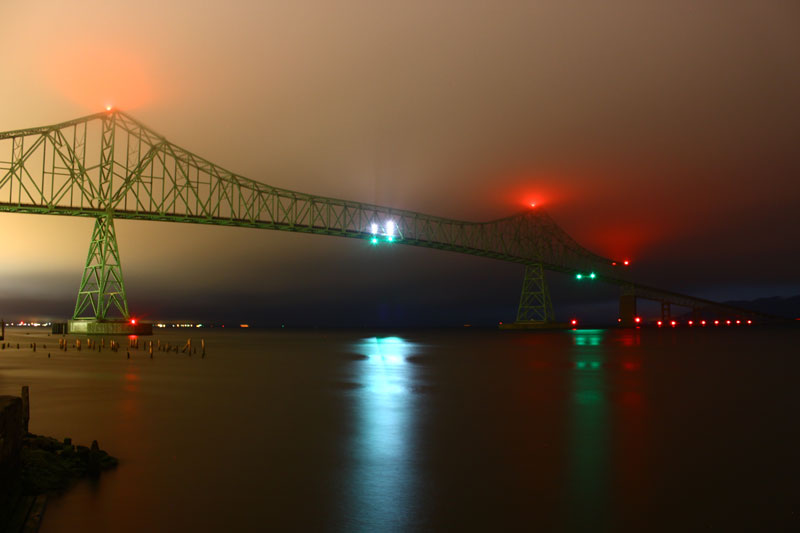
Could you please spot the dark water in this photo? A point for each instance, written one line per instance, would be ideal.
(588, 430)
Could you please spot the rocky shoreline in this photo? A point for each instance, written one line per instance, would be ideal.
(33, 466)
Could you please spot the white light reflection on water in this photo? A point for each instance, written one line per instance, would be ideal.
(384, 477)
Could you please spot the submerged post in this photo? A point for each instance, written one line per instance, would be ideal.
(26, 407)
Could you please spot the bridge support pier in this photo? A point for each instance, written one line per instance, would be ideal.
(102, 286)
(534, 302)
(627, 310)
(102, 290)
(666, 314)
(535, 309)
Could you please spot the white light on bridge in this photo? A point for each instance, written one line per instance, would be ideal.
(390, 228)
(373, 228)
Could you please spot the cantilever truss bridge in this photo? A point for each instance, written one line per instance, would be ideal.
(109, 166)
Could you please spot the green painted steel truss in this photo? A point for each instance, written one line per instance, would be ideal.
(108, 165)
(102, 288)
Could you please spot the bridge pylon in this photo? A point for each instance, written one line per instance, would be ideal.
(102, 306)
(102, 288)
(535, 308)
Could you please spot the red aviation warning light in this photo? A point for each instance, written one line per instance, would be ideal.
(659, 323)
(574, 322)
(108, 107)
(702, 322)
(133, 321)
(638, 320)
(673, 323)
(627, 262)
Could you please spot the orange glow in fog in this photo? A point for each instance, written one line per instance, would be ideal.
(92, 76)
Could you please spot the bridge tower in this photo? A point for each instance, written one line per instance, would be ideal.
(535, 308)
(102, 288)
(102, 305)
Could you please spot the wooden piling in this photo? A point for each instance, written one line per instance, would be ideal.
(26, 407)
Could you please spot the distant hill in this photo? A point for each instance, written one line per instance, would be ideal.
(788, 307)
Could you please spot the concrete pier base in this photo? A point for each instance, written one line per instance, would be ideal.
(108, 327)
(535, 325)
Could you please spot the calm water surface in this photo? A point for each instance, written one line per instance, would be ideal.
(587, 430)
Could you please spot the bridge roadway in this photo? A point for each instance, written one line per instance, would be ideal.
(109, 166)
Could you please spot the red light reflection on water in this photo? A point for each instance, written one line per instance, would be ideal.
(632, 399)
(630, 411)
(631, 366)
(131, 382)
(540, 364)
(630, 338)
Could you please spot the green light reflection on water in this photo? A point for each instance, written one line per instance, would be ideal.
(589, 433)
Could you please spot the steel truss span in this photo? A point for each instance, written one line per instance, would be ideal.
(108, 165)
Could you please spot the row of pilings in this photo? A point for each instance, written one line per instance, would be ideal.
(150, 347)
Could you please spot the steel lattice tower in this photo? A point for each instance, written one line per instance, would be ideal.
(102, 288)
(534, 302)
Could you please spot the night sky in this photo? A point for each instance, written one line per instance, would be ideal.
(663, 132)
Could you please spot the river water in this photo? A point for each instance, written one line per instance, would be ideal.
(427, 430)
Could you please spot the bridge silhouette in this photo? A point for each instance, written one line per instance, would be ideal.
(109, 166)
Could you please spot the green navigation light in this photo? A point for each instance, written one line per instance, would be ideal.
(578, 276)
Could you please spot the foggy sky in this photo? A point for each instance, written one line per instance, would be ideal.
(665, 132)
